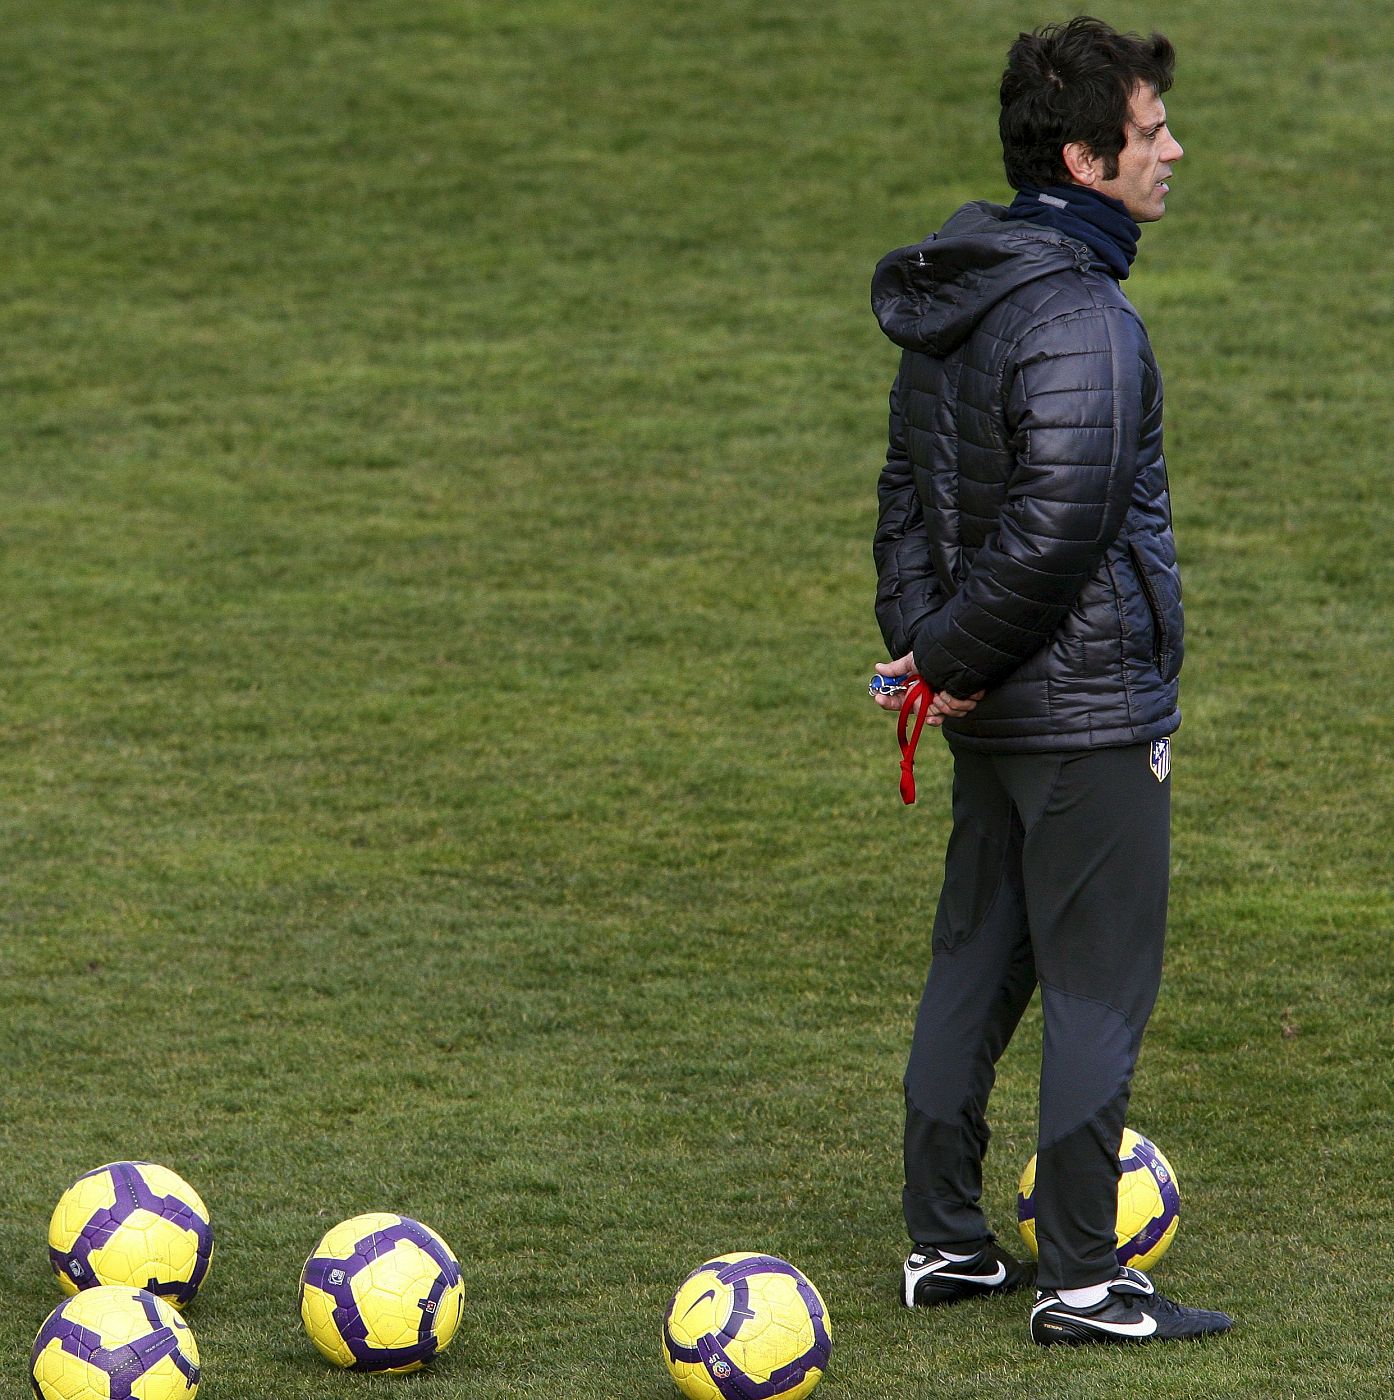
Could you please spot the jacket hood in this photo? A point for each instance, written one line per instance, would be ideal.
(930, 295)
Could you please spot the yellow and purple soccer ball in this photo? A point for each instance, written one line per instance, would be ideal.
(746, 1327)
(381, 1292)
(114, 1343)
(1149, 1203)
(135, 1224)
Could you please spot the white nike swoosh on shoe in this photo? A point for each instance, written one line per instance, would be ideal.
(984, 1280)
(1145, 1326)
(940, 1270)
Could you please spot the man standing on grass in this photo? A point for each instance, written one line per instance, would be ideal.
(1026, 571)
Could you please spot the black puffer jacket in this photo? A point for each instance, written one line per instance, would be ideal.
(1024, 542)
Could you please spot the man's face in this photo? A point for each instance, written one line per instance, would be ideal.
(1145, 162)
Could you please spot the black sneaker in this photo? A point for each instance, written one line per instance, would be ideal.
(931, 1279)
(1133, 1311)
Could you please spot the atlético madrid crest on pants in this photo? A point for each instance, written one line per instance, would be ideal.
(1161, 758)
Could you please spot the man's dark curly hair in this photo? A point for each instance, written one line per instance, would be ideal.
(1073, 82)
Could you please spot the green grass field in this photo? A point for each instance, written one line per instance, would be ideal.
(436, 774)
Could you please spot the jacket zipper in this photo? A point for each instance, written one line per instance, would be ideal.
(1161, 639)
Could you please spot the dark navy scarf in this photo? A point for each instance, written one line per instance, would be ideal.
(1098, 221)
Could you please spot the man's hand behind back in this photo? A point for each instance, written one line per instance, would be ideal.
(943, 706)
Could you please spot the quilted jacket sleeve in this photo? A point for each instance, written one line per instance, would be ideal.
(1073, 399)
(907, 591)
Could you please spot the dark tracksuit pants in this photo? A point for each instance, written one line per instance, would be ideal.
(1056, 873)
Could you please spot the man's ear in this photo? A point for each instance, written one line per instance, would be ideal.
(1084, 166)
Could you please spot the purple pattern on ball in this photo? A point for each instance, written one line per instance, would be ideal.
(132, 1194)
(351, 1326)
(1144, 1156)
(124, 1365)
(735, 1385)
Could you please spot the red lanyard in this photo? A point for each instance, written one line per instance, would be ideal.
(920, 691)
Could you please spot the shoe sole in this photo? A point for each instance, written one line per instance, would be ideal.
(927, 1295)
(1075, 1336)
